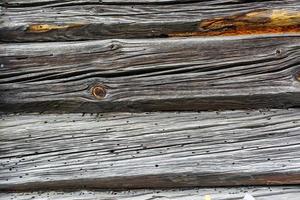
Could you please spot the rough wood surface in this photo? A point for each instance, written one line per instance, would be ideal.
(151, 75)
(259, 193)
(41, 20)
(149, 150)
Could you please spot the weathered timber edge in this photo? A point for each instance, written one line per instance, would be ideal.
(259, 193)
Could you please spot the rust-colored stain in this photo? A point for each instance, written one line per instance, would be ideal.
(41, 28)
(255, 22)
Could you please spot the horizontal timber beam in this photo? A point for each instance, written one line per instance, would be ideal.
(149, 150)
(41, 20)
(151, 75)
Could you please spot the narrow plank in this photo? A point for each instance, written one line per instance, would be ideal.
(151, 75)
(259, 193)
(41, 20)
(149, 150)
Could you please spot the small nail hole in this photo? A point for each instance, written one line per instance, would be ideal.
(99, 91)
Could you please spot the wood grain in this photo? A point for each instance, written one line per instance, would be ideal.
(151, 75)
(260, 193)
(41, 20)
(149, 150)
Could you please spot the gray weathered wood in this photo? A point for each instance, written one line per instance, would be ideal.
(260, 193)
(94, 19)
(149, 150)
(151, 75)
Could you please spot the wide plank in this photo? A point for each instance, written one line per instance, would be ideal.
(149, 150)
(259, 193)
(41, 20)
(151, 75)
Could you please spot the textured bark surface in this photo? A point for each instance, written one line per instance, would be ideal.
(150, 75)
(149, 150)
(80, 20)
(260, 193)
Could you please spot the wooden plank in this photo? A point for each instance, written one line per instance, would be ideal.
(151, 75)
(40, 20)
(259, 193)
(149, 150)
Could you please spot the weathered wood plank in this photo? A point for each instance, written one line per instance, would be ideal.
(151, 75)
(41, 20)
(259, 193)
(149, 150)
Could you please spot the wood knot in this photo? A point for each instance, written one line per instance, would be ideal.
(297, 76)
(98, 91)
(278, 51)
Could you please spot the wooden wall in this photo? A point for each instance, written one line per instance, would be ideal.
(162, 99)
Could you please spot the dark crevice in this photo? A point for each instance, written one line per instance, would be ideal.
(212, 68)
(31, 78)
(57, 3)
(245, 2)
(150, 72)
(32, 154)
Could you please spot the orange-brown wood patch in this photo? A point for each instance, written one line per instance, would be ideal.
(41, 28)
(255, 22)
